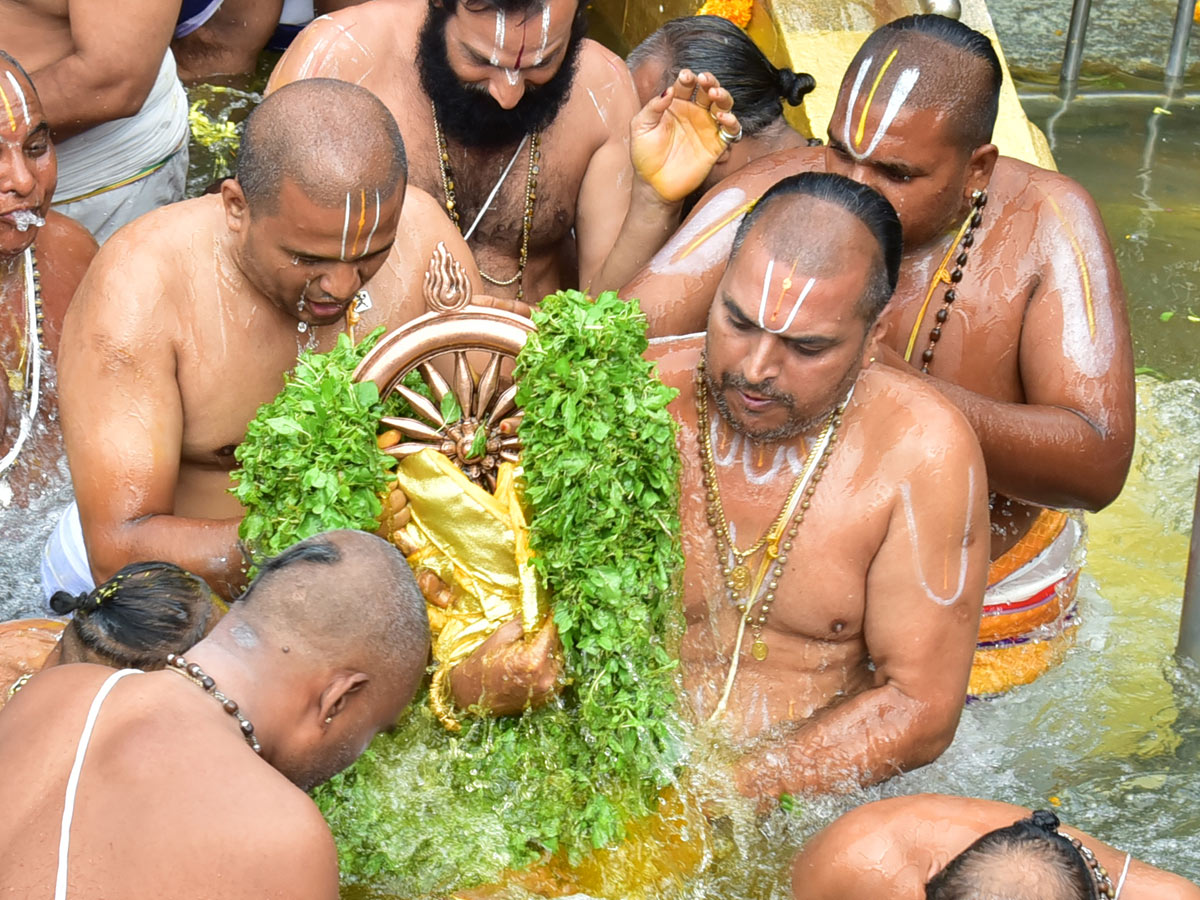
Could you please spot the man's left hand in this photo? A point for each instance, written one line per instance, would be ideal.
(677, 137)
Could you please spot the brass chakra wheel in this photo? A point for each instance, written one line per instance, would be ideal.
(464, 355)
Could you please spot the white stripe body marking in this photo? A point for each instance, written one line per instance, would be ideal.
(537, 59)
(900, 91)
(501, 25)
(345, 226)
(862, 73)
(371, 234)
(762, 306)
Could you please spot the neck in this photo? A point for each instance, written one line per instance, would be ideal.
(238, 677)
(10, 266)
(780, 136)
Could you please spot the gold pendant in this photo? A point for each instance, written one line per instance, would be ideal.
(740, 577)
(759, 649)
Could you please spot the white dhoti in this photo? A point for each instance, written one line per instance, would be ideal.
(64, 560)
(113, 173)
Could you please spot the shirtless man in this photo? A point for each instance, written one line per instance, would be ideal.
(1018, 320)
(188, 321)
(109, 90)
(52, 251)
(960, 847)
(511, 79)
(841, 504)
(193, 787)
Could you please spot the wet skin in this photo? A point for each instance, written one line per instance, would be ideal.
(1046, 383)
(313, 713)
(90, 66)
(887, 566)
(890, 849)
(185, 324)
(63, 249)
(586, 183)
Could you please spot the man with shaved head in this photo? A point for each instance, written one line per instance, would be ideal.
(189, 318)
(190, 782)
(834, 511)
(1009, 302)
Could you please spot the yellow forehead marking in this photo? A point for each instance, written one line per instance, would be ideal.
(362, 220)
(12, 120)
(862, 119)
(1083, 270)
(787, 286)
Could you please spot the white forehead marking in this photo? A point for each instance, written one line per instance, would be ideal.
(537, 59)
(906, 81)
(20, 96)
(513, 76)
(862, 73)
(900, 91)
(346, 225)
(762, 303)
(371, 233)
(501, 24)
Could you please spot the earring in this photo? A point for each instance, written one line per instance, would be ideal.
(328, 720)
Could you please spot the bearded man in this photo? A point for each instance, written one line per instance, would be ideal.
(43, 256)
(834, 512)
(1009, 301)
(188, 321)
(520, 126)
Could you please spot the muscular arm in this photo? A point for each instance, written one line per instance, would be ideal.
(123, 425)
(1070, 443)
(116, 60)
(924, 593)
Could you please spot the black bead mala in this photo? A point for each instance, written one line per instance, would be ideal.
(978, 201)
(193, 673)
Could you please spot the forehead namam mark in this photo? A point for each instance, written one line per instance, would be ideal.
(901, 89)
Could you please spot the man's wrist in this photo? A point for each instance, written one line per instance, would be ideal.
(648, 201)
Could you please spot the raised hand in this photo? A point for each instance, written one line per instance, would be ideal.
(679, 135)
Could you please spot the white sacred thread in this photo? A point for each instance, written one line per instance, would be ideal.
(762, 305)
(537, 59)
(20, 96)
(910, 518)
(371, 233)
(501, 24)
(345, 226)
(900, 91)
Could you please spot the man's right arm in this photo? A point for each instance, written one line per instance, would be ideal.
(122, 420)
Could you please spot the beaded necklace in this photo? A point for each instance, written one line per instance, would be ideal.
(741, 592)
(962, 242)
(451, 202)
(193, 673)
(28, 375)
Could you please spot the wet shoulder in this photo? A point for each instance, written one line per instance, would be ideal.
(602, 101)
(677, 358)
(1026, 190)
(913, 420)
(756, 177)
(348, 43)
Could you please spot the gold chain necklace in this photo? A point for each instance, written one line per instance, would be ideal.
(737, 577)
(451, 202)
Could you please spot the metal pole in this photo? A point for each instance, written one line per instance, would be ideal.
(1073, 54)
(1177, 60)
(1189, 621)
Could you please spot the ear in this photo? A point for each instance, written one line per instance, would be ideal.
(871, 346)
(979, 169)
(338, 693)
(237, 209)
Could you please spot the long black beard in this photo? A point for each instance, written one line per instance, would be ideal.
(467, 113)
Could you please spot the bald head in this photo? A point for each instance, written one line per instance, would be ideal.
(939, 64)
(330, 138)
(783, 221)
(347, 596)
(1027, 860)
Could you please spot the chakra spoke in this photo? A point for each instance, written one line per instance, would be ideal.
(505, 404)
(464, 383)
(408, 449)
(421, 405)
(488, 382)
(437, 384)
(413, 429)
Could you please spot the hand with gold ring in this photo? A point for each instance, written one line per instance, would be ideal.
(679, 135)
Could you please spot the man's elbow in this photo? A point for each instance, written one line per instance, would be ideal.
(1105, 479)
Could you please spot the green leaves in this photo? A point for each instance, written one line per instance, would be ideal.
(309, 461)
(428, 812)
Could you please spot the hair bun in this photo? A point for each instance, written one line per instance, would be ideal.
(1045, 820)
(794, 85)
(65, 603)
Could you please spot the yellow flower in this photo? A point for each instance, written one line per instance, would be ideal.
(736, 11)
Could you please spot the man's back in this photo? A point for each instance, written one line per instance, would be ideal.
(169, 802)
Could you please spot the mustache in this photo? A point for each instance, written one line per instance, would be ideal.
(738, 381)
